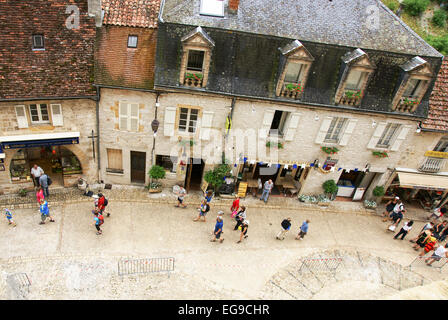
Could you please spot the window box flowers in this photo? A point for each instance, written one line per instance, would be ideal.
(410, 101)
(380, 154)
(351, 97)
(292, 90)
(193, 79)
(330, 150)
(278, 145)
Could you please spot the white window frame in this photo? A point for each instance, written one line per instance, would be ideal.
(39, 113)
(421, 83)
(132, 36)
(187, 125)
(128, 116)
(442, 142)
(337, 123)
(214, 8)
(299, 76)
(385, 133)
(360, 81)
(282, 127)
(33, 42)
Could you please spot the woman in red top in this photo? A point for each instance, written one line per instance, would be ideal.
(40, 195)
(235, 205)
(101, 205)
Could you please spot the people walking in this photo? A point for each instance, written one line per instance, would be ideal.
(203, 209)
(404, 230)
(98, 221)
(429, 246)
(437, 214)
(439, 253)
(43, 181)
(399, 207)
(208, 196)
(303, 230)
(286, 226)
(390, 208)
(45, 212)
(180, 197)
(36, 172)
(39, 195)
(438, 229)
(235, 205)
(422, 239)
(243, 234)
(397, 217)
(218, 229)
(102, 204)
(8, 215)
(427, 226)
(240, 217)
(444, 234)
(267, 188)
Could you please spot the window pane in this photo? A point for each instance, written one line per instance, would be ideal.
(38, 42)
(294, 72)
(330, 130)
(212, 8)
(387, 136)
(44, 112)
(442, 145)
(132, 41)
(195, 60)
(355, 79)
(411, 87)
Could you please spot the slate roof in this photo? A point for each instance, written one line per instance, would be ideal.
(131, 13)
(438, 103)
(249, 65)
(350, 23)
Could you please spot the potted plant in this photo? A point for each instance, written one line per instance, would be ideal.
(378, 192)
(323, 200)
(278, 145)
(330, 150)
(380, 154)
(155, 173)
(296, 87)
(353, 94)
(371, 205)
(410, 102)
(330, 188)
(23, 192)
(215, 177)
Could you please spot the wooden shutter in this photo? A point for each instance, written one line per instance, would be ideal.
(114, 159)
(323, 130)
(206, 124)
(292, 125)
(377, 135)
(56, 115)
(169, 120)
(133, 117)
(348, 132)
(22, 120)
(400, 138)
(267, 122)
(123, 116)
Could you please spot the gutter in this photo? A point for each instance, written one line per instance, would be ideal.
(162, 6)
(48, 98)
(124, 88)
(435, 130)
(307, 104)
(98, 97)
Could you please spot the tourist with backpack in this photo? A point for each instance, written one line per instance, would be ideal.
(286, 226)
(429, 246)
(99, 220)
(45, 181)
(44, 211)
(203, 209)
(102, 203)
(240, 217)
(243, 234)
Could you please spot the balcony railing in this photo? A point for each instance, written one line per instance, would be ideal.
(432, 165)
(291, 90)
(351, 98)
(407, 104)
(193, 79)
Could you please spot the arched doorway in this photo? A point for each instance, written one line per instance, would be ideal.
(61, 164)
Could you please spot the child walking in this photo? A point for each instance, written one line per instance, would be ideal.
(44, 211)
(8, 215)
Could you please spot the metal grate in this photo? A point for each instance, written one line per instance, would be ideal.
(419, 262)
(142, 266)
(19, 283)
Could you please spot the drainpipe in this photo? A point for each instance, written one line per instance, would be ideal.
(154, 135)
(98, 97)
(232, 106)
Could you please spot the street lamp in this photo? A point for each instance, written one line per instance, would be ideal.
(154, 126)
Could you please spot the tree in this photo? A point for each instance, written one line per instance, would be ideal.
(215, 177)
(415, 7)
(330, 187)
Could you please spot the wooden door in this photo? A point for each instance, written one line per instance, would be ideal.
(138, 167)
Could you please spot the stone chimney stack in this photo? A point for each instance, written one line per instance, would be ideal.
(95, 10)
(233, 6)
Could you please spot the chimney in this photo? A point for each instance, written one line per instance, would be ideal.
(233, 6)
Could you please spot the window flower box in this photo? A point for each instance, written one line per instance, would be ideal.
(278, 145)
(292, 90)
(407, 104)
(330, 150)
(193, 79)
(351, 97)
(380, 154)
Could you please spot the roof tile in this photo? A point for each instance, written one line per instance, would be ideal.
(438, 103)
(131, 13)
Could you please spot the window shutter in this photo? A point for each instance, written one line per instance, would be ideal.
(323, 130)
(348, 132)
(401, 136)
(267, 122)
(123, 116)
(206, 124)
(377, 135)
(133, 117)
(22, 120)
(292, 126)
(56, 115)
(114, 159)
(170, 119)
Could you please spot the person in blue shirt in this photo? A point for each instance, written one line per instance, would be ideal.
(44, 211)
(203, 209)
(218, 228)
(208, 196)
(8, 215)
(303, 230)
(98, 218)
(286, 226)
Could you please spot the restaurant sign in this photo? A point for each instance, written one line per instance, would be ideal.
(436, 154)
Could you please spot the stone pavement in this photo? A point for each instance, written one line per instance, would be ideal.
(67, 260)
(124, 193)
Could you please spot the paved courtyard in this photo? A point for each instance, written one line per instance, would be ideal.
(67, 260)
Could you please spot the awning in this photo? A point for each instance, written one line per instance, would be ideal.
(39, 140)
(423, 181)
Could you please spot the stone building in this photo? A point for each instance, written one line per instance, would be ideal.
(330, 88)
(47, 101)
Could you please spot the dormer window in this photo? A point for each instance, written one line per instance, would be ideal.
(355, 75)
(415, 79)
(38, 42)
(296, 61)
(197, 47)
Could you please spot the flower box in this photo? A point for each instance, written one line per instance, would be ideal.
(351, 97)
(193, 79)
(292, 90)
(380, 154)
(278, 145)
(330, 150)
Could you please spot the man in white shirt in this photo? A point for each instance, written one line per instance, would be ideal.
(439, 253)
(268, 185)
(36, 172)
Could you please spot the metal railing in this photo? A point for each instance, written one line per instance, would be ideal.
(20, 284)
(420, 262)
(432, 165)
(144, 266)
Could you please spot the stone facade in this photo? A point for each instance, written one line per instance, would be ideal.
(78, 116)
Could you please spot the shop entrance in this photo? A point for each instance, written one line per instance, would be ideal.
(58, 162)
(193, 177)
(138, 165)
(265, 173)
